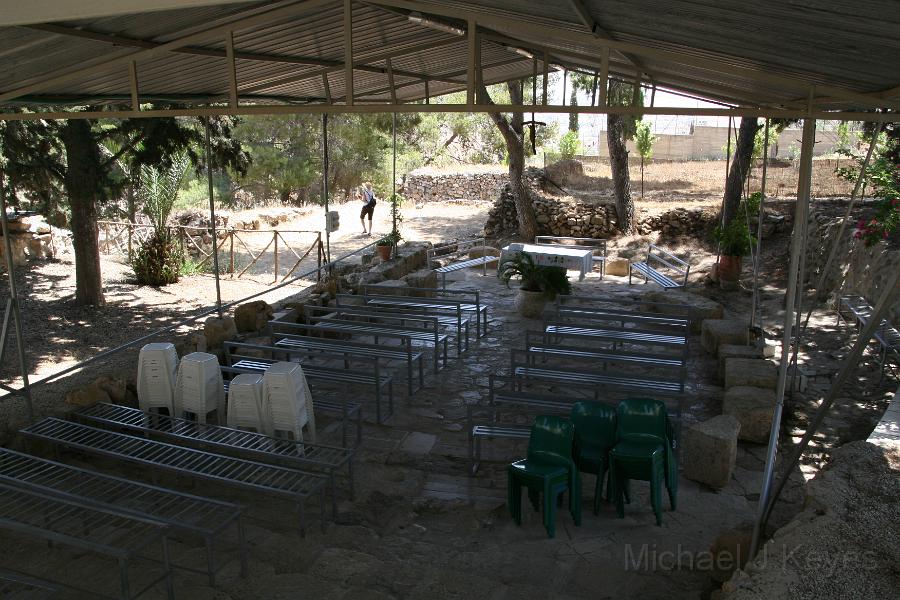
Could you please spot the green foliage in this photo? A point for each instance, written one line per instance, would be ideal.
(735, 238)
(157, 261)
(843, 137)
(396, 201)
(159, 189)
(189, 267)
(550, 280)
(569, 145)
(644, 139)
(883, 173)
(622, 94)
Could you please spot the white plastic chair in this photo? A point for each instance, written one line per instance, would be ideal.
(245, 403)
(157, 367)
(198, 388)
(287, 403)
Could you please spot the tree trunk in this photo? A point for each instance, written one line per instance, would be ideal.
(740, 167)
(573, 101)
(82, 182)
(618, 162)
(512, 132)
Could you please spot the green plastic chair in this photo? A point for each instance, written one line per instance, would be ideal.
(595, 435)
(644, 451)
(547, 470)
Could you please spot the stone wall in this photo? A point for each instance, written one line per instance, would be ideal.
(568, 217)
(856, 269)
(429, 187)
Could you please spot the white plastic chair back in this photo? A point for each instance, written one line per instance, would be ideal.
(245, 403)
(198, 388)
(157, 367)
(287, 403)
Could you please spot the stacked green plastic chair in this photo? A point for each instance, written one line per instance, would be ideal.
(644, 451)
(595, 435)
(548, 470)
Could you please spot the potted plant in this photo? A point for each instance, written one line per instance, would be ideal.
(735, 241)
(539, 283)
(385, 246)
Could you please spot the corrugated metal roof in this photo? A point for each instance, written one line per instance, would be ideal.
(757, 54)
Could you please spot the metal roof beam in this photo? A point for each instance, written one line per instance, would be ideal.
(255, 18)
(529, 25)
(600, 33)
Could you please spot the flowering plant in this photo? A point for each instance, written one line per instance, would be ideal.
(884, 175)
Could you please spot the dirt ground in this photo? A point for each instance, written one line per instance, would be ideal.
(420, 528)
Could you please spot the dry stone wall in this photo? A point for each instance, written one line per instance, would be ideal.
(426, 187)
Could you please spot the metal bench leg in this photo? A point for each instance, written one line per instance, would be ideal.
(123, 576)
(409, 378)
(210, 563)
(333, 495)
(344, 423)
(242, 547)
(301, 511)
(358, 426)
(378, 402)
(421, 373)
(350, 477)
(322, 509)
(391, 398)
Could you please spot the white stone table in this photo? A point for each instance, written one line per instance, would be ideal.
(570, 258)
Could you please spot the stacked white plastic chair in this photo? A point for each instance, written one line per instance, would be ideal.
(198, 388)
(245, 403)
(157, 368)
(287, 403)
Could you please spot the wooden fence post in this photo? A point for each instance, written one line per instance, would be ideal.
(275, 239)
(231, 253)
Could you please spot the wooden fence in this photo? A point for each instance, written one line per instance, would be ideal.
(123, 238)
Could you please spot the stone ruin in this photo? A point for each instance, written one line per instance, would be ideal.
(31, 237)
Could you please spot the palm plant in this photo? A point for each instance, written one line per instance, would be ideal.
(158, 260)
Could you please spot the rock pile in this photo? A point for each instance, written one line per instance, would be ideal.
(31, 238)
(426, 187)
(554, 217)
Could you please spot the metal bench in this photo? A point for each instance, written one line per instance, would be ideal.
(19, 586)
(88, 528)
(239, 473)
(536, 344)
(204, 517)
(431, 337)
(453, 249)
(887, 336)
(667, 314)
(657, 259)
(346, 348)
(556, 331)
(378, 380)
(579, 243)
(469, 300)
(523, 365)
(388, 315)
(225, 440)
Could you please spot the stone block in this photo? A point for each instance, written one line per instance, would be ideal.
(87, 396)
(479, 251)
(754, 408)
(618, 267)
(714, 332)
(288, 315)
(392, 287)
(727, 351)
(423, 278)
(218, 330)
(702, 308)
(752, 372)
(710, 450)
(252, 316)
(115, 387)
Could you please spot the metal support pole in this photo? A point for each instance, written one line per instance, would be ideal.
(754, 318)
(832, 254)
(722, 206)
(797, 247)
(325, 186)
(546, 62)
(394, 174)
(888, 296)
(604, 77)
(472, 31)
(13, 305)
(212, 218)
(348, 53)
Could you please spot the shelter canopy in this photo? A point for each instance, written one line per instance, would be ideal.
(768, 54)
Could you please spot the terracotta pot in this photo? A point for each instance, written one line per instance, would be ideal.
(384, 251)
(729, 268)
(531, 304)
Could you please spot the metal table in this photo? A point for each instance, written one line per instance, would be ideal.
(571, 259)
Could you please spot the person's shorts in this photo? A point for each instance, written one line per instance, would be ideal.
(366, 210)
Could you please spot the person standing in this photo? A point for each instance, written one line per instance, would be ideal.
(369, 202)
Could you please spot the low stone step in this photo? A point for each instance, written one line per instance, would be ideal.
(716, 332)
(754, 408)
(710, 450)
(753, 372)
